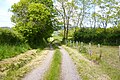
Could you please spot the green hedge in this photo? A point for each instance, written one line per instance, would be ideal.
(109, 36)
(8, 36)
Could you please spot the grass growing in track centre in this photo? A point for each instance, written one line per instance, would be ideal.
(54, 71)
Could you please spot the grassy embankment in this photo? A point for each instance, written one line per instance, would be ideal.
(90, 68)
(8, 51)
(54, 71)
(14, 68)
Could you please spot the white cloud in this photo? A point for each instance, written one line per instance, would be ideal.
(11, 2)
(5, 19)
(5, 15)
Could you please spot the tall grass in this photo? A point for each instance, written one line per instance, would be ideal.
(8, 51)
(109, 63)
(15, 70)
(54, 71)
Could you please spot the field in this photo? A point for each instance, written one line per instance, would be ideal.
(92, 67)
(60, 40)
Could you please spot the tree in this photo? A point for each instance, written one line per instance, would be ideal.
(66, 10)
(34, 19)
(83, 11)
(107, 12)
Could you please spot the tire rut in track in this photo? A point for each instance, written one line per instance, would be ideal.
(38, 73)
(69, 71)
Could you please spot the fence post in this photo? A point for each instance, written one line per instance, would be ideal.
(81, 46)
(65, 42)
(73, 44)
(76, 44)
(100, 52)
(119, 53)
(89, 45)
(90, 51)
(99, 46)
(70, 43)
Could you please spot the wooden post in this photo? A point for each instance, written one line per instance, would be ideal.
(76, 44)
(70, 43)
(99, 46)
(119, 53)
(90, 51)
(73, 43)
(81, 46)
(65, 42)
(100, 52)
(89, 45)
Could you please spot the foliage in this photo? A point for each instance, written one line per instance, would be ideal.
(33, 19)
(8, 36)
(66, 10)
(111, 36)
(70, 32)
(88, 13)
(11, 43)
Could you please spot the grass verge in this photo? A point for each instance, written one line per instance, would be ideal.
(86, 68)
(8, 51)
(15, 68)
(107, 68)
(54, 70)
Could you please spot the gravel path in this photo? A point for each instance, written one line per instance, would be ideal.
(69, 71)
(38, 73)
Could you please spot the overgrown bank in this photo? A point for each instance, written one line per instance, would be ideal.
(33, 26)
(15, 68)
(11, 43)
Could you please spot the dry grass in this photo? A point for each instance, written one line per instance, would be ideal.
(15, 68)
(109, 62)
(87, 69)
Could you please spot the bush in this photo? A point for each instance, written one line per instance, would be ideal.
(8, 36)
(110, 36)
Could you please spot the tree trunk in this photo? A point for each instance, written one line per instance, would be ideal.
(64, 21)
(64, 29)
(83, 12)
(67, 27)
(94, 17)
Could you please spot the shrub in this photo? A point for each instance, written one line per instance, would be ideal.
(110, 36)
(8, 36)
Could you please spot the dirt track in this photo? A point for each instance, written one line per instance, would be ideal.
(69, 71)
(38, 73)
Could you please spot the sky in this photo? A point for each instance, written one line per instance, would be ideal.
(5, 14)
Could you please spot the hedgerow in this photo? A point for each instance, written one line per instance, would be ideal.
(109, 36)
(9, 36)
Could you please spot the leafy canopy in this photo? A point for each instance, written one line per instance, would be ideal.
(33, 19)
